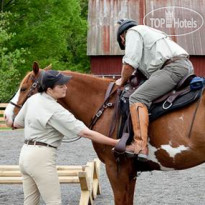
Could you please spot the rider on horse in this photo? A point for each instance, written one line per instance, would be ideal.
(163, 62)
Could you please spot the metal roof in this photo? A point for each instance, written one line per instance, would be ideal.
(183, 20)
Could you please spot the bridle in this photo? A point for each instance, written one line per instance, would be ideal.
(34, 86)
(18, 106)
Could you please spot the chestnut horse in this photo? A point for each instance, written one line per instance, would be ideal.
(172, 144)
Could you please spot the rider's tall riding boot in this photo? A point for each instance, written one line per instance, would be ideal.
(140, 122)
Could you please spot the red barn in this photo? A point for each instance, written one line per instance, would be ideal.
(183, 20)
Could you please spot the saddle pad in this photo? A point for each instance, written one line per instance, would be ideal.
(157, 110)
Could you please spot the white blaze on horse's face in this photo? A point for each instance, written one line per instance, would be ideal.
(9, 111)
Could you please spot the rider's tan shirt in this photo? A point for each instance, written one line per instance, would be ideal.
(45, 120)
(147, 49)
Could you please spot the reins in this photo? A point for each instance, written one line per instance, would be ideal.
(109, 93)
(106, 104)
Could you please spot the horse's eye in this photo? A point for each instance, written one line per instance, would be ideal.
(23, 89)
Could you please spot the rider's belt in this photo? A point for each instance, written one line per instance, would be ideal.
(31, 142)
(173, 59)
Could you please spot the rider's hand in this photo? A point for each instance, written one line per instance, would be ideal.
(119, 82)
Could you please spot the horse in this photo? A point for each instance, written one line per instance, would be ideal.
(172, 144)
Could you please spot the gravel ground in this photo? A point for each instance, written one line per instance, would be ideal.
(153, 188)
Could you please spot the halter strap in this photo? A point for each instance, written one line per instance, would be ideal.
(18, 106)
(35, 85)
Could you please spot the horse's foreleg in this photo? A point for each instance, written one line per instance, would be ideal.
(122, 181)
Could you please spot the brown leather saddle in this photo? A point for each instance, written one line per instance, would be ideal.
(181, 96)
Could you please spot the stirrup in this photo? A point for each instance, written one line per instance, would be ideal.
(142, 157)
(120, 147)
(114, 151)
(124, 153)
(130, 154)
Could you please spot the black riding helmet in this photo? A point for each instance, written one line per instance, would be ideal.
(125, 24)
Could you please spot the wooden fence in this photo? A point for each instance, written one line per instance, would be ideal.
(87, 176)
(2, 121)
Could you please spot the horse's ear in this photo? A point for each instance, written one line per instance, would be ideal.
(35, 68)
(49, 67)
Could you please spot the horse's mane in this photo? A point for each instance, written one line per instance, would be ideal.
(84, 77)
(88, 77)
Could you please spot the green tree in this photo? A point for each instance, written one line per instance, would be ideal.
(9, 60)
(53, 31)
(48, 31)
(84, 9)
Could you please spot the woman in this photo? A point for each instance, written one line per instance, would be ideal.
(45, 124)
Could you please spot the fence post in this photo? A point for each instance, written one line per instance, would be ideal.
(2, 108)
